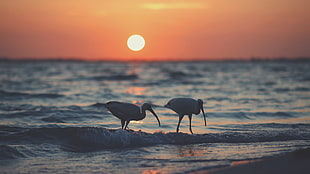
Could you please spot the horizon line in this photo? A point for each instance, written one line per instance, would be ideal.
(81, 59)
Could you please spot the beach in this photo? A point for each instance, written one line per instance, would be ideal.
(296, 162)
(53, 117)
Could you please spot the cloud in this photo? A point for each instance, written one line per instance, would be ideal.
(181, 5)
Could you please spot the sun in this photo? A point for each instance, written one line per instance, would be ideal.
(135, 42)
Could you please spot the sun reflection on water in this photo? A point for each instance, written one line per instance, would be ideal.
(137, 102)
(151, 171)
(135, 90)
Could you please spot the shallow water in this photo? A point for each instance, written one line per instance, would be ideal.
(52, 117)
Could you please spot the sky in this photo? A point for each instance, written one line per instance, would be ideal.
(172, 29)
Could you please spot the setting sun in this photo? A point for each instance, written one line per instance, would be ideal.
(135, 42)
(172, 30)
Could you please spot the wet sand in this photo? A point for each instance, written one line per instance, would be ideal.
(297, 162)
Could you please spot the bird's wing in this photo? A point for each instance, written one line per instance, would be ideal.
(174, 104)
(123, 111)
(182, 105)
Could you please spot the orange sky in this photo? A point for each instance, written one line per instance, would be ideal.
(183, 29)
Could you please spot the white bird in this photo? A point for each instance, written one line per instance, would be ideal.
(127, 111)
(186, 106)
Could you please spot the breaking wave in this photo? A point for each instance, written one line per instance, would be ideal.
(85, 139)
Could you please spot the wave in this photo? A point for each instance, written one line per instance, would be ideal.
(301, 89)
(297, 89)
(9, 152)
(22, 95)
(252, 115)
(279, 90)
(219, 99)
(116, 77)
(85, 139)
(49, 114)
(97, 112)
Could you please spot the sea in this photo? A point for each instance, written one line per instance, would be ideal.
(53, 119)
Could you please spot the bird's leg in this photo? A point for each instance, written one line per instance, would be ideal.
(127, 122)
(123, 123)
(180, 118)
(190, 122)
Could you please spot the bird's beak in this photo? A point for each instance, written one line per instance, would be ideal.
(203, 112)
(151, 110)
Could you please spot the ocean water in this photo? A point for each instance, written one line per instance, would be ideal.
(52, 118)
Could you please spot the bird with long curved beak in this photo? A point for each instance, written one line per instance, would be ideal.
(127, 111)
(186, 106)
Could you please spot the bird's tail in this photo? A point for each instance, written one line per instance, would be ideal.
(105, 104)
(167, 105)
(99, 105)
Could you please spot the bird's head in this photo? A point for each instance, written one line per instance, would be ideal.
(148, 107)
(200, 106)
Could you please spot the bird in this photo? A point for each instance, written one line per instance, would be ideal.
(127, 112)
(186, 106)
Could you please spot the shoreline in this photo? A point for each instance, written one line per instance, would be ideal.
(296, 162)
